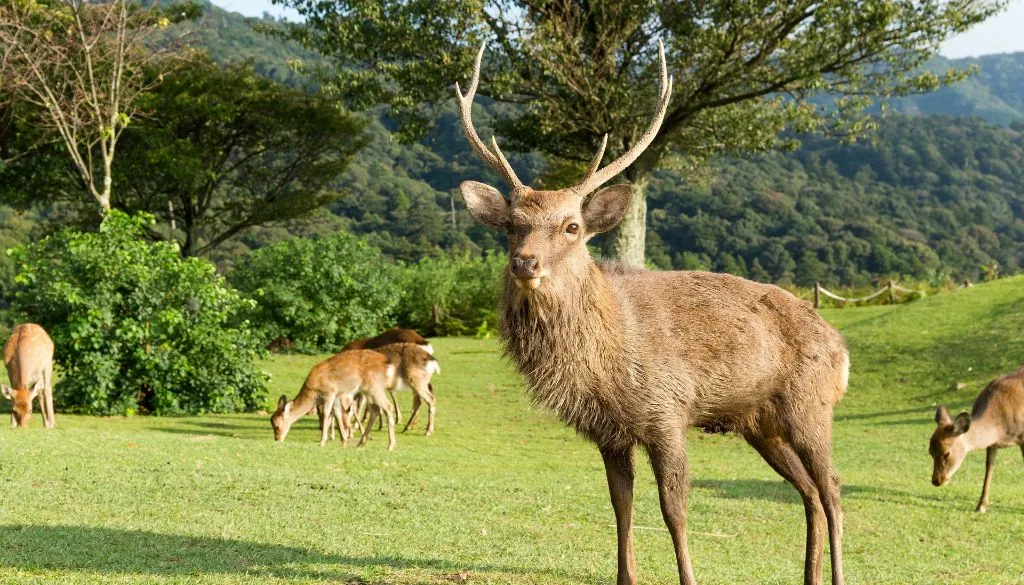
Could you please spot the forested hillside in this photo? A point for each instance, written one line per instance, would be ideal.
(930, 197)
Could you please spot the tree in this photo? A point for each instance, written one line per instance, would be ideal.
(79, 65)
(745, 71)
(226, 149)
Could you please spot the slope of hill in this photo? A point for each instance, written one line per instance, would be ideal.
(995, 93)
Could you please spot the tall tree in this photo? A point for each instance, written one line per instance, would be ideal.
(79, 65)
(745, 70)
(224, 149)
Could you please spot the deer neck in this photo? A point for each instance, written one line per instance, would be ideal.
(300, 406)
(983, 433)
(561, 329)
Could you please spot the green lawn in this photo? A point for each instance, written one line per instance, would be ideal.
(506, 494)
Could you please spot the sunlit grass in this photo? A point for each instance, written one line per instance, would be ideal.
(504, 493)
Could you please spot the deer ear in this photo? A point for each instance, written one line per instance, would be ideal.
(962, 423)
(35, 389)
(7, 391)
(486, 204)
(942, 417)
(282, 401)
(606, 208)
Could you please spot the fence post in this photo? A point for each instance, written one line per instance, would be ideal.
(437, 315)
(892, 293)
(817, 295)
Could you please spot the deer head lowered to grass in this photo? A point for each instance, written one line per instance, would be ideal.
(996, 421)
(28, 356)
(632, 358)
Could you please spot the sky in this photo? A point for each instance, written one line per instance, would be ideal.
(1003, 33)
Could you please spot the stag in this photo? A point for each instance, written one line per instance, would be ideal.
(632, 358)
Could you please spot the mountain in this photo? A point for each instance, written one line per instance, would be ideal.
(995, 93)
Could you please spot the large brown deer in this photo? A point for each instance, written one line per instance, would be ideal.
(996, 421)
(340, 379)
(630, 357)
(28, 356)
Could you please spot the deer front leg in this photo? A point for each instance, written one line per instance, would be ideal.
(618, 467)
(990, 467)
(398, 409)
(668, 460)
(326, 419)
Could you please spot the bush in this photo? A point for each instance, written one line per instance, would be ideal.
(316, 295)
(136, 327)
(466, 290)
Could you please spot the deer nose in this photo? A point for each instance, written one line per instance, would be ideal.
(524, 266)
(936, 482)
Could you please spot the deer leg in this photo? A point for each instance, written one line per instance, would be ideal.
(372, 413)
(398, 409)
(670, 470)
(423, 392)
(416, 404)
(990, 467)
(326, 419)
(391, 423)
(784, 460)
(618, 467)
(48, 419)
(816, 455)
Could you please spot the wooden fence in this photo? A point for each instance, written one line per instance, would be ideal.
(891, 287)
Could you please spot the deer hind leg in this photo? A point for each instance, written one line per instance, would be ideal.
(390, 414)
(398, 409)
(422, 392)
(815, 451)
(372, 413)
(783, 459)
(416, 404)
(47, 393)
(990, 467)
(668, 459)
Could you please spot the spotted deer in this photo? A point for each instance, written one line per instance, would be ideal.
(996, 421)
(631, 357)
(340, 379)
(28, 356)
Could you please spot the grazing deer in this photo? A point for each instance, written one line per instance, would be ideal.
(996, 421)
(415, 369)
(631, 357)
(393, 335)
(28, 356)
(338, 380)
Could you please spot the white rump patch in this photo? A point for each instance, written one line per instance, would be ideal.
(433, 367)
(428, 348)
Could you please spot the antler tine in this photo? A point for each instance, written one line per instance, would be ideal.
(498, 162)
(596, 162)
(595, 178)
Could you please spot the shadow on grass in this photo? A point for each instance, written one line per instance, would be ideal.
(117, 551)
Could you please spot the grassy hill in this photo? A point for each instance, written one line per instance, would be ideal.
(508, 494)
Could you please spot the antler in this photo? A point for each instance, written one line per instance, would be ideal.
(595, 178)
(496, 160)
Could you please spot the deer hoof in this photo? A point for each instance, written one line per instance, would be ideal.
(981, 508)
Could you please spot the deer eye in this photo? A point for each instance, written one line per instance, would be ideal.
(572, 228)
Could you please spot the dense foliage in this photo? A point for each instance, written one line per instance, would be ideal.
(316, 295)
(138, 328)
(931, 198)
(464, 289)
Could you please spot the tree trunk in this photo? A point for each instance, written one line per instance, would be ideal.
(627, 242)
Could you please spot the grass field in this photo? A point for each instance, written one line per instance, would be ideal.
(503, 493)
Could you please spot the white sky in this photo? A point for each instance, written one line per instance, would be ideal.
(1003, 33)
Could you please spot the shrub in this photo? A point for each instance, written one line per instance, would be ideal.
(136, 327)
(466, 290)
(316, 295)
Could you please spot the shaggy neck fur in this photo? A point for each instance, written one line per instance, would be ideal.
(569, 339)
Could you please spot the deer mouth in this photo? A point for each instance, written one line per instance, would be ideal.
(528, 283)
